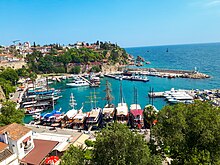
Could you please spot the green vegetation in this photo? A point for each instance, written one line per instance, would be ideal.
(10, 75)
(73, 156)
(150, 115)
(7, 87)
(115, 144)
(95, 69)
(9, 114)
(8, 79)
(189, 134)
(76, 70)
(53, 62)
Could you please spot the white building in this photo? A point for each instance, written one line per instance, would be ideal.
(18, 138)
(6, 156)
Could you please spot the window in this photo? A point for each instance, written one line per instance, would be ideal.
(20, 145)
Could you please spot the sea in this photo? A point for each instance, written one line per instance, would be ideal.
(204, 58)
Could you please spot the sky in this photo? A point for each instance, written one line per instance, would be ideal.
(129, 23)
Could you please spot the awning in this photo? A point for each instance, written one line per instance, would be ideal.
(40, 151)
(62, 146)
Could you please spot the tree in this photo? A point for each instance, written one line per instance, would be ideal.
(73, 156)
(76, 70)
(189, 133)
(7, 87)
(95, 69)
(116, 144)
(65, 59)
(150, 115)
(10, 75)
(9, 114)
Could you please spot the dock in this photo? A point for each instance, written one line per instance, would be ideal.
(167, 73)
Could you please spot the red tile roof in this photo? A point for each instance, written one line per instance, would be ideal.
(3, 146)
(40, 151)
(15, 131)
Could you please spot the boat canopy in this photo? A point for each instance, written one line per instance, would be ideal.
(135, 107)
(71, 113)
(54, 112)
(137, 112)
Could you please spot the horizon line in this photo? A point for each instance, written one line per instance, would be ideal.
(193, 43)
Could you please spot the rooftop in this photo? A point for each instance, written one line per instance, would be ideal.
(40, 151)
(14, 130)
(5, 154)
(3, 146)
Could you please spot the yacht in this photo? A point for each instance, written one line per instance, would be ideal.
(78, 83)
(139, 78)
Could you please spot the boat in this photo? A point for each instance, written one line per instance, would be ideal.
(94, 85)
(71, 113)
(79, 120)
(78, 83)
(94, 117)
(32, 111)
(139, 78)
(50, 115)
(122, 108)
(108, 110)
(148, 62)
(136, 112)
(36, 116)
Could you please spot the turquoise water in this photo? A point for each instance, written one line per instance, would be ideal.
(206, 57)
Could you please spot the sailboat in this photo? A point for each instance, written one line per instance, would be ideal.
(109, 108)
(122, 108)
(95, 115)
(71, 113)
(136, 111)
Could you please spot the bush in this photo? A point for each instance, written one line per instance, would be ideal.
(95, 69)
(75, 70)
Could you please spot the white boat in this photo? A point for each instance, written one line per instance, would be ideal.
(173, 101)
(33, 111)
(78, 83)
(94, 115)
(71, 113)
(139, 78)
(36, 116)
(122, 108)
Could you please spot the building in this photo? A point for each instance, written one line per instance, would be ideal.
(7, 156)
(18, 138)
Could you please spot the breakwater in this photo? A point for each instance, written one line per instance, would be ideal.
(169, 73)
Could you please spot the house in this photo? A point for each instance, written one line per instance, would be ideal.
(6, 155)
(18, 138)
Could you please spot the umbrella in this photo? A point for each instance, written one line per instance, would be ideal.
(51, 159)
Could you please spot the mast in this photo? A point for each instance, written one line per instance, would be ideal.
(72, 101)
(120, 96)
(135, 96)
(108, 96)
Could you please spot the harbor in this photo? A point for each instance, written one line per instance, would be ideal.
(47, 104)
(188, 96)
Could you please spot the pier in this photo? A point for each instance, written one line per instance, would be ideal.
(212, 95)
(167, 73)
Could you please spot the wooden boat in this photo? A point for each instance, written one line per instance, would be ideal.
(122, 108)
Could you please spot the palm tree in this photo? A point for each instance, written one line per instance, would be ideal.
(150, 115)
(33, 77)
